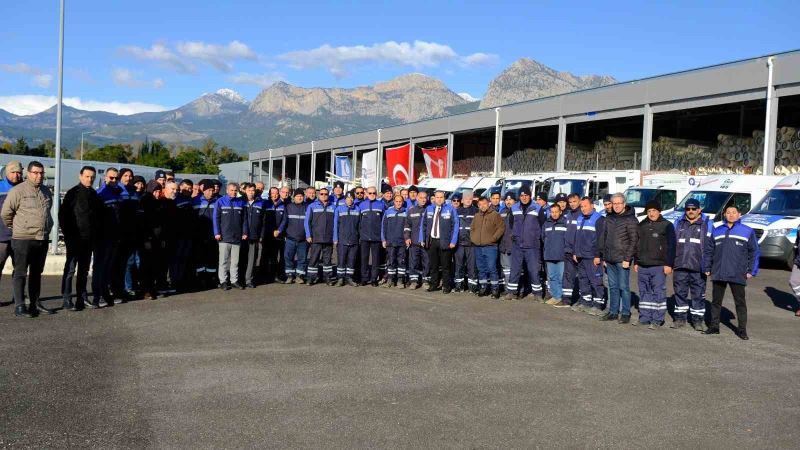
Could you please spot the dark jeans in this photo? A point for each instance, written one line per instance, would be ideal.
(440, 258)
(370, 260)
(104, 253)
(718, 292)
(79, 256)
(28, 265)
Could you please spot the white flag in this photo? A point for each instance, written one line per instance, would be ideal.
(369, 169)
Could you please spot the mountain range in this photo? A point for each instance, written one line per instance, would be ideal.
(283, 114)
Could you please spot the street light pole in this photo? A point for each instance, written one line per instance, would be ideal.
(57, 188)
(85, 132)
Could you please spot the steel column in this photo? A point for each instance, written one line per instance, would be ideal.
(771, 125)
(561, 151)
(647, 138)
(450, 150)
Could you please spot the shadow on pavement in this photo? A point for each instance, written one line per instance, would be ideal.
(781, 299)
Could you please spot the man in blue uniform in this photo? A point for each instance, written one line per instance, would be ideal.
(654, 260)
(506, 242)
(254, 210)
(439, 234)
(180, 259)
(570, 281)
(731, 258)
(205, 247)
(586, 254)
(369, 233)
(526, 246)
(554, 232)
(345, 238)
(417, 256)
(394, 220)
(107, 245)
(692, 230)
(465, 265)
(293, 227)
(230, 229)
(319, 234)
(13, 177)
(272, 263)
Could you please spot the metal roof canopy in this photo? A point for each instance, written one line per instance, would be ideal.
(724, 83)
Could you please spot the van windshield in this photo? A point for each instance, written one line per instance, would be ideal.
(566, 187)
(638, 198)
(711, 202)
(779, 202)
(515, 185)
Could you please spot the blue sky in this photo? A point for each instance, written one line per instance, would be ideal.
(131, 56)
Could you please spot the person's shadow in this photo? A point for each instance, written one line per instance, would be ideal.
(783, 300)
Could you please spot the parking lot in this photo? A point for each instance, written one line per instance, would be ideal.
(297, 366)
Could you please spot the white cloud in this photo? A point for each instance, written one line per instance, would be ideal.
(31, 104)
(479, 59)
(37, 77)
(417, 54)
(159, 53)
(466, 96)
(220, 57)
(259, 79)
(183, 55)
(125, 77)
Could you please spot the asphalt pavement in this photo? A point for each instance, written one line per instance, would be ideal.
(323, 367)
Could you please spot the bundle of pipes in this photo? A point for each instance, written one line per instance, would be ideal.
(530, 160)
(477, 166)
(611, 153)
(685, 155)
(787, 150)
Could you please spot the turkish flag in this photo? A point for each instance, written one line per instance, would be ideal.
(436, 161)
(397, 159)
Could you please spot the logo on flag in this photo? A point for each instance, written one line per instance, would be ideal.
(343, 168)
(436, 161)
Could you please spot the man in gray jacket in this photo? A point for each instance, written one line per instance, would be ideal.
(27, 212)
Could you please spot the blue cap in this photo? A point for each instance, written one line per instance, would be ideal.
(456, 196)
(511, 195)
(607, 198)
(561, 197)
(693, 202)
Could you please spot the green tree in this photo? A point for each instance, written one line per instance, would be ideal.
(114, 153)
(20, 147)
(156, 154)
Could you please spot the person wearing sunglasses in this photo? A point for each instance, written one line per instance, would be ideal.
(319, 234)
(369, 232)
(26, 212)
(688, 277)
(107, 241)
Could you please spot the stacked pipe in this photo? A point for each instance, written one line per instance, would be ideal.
(611, 153)
(684, 155)
(787, 150)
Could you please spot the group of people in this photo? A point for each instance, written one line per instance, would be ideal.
(160, 237)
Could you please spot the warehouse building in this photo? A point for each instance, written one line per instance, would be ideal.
(738, 117)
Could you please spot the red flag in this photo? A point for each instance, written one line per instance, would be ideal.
(436, 161)
(397, 164)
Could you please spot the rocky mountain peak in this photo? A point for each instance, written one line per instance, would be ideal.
(231, 95)
(527, 79)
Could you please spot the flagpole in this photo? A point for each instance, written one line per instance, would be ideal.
(57, 177)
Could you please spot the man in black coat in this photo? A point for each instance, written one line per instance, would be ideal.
(654, 261)
(79, 217)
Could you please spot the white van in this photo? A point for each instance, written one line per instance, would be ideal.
(775, 220)
(448, 185)
(594, 184)
(537, 182)
(478, 185)
(665, 188)
(715, 192)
